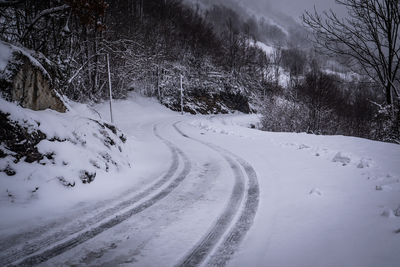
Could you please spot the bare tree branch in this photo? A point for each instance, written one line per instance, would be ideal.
(40, 15)
(9, 3)
(369, 35)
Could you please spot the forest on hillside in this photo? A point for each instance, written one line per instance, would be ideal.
(153, 43)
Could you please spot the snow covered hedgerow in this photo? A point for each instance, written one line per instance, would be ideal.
(206, 89)
(280, 115)
(43, 149)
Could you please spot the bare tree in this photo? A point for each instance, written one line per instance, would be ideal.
(276, 58)
(369, 36)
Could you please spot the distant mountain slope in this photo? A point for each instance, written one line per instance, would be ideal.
(264, 23)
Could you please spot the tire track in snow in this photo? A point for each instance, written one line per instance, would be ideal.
(63, 246)
(14, 253)
(14, 241)
(235, 235)
(145, 231)
(243, 224)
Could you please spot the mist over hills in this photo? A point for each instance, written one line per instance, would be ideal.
(264, 22)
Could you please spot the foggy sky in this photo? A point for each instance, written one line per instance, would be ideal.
(293, 8)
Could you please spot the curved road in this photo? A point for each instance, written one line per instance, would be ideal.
(231, 241)
(216, 241)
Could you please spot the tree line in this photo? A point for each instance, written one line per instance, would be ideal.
(152, 43)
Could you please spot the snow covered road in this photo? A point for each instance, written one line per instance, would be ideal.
(41, 244)
(71, 236)
(229, 244)
(208, 190)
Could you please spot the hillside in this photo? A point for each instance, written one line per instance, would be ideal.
(46, 154)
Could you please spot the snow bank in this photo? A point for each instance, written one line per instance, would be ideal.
(379, 161)
(64, 153)
(347, 76)
(266, 48)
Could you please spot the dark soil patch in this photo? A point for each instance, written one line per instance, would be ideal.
(87, 177)
(9, 171)
(20, 140)
(64, 182)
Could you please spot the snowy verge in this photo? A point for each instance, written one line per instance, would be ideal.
(45, 156)
(329, 200)
(341, 150)
(378, 162)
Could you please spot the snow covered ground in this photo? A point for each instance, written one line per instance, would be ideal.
(325, 200)
(202, 187)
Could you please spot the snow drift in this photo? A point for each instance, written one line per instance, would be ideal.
(47, 151)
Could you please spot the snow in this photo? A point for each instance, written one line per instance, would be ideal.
(79, 147)
(347, 76)
(342, 159)
(7, 50)
(320, 212)
(324, 200)
(388, 213)
(316, 192)
(266, 48)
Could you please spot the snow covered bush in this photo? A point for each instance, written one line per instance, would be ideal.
(280, 115)
(43, 149)
(386, 124)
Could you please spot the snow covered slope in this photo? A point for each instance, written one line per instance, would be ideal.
(325, 200)
(218, 186)
(48, 157)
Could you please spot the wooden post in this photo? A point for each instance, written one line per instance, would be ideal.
(181, 96)
(109, 86)
(158, 84)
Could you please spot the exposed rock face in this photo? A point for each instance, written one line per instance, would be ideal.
(32, 89)
(212, 103)
(23, 79)
(235, 101)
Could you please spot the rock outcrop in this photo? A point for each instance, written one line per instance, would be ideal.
(24, 80)
(211, 103)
